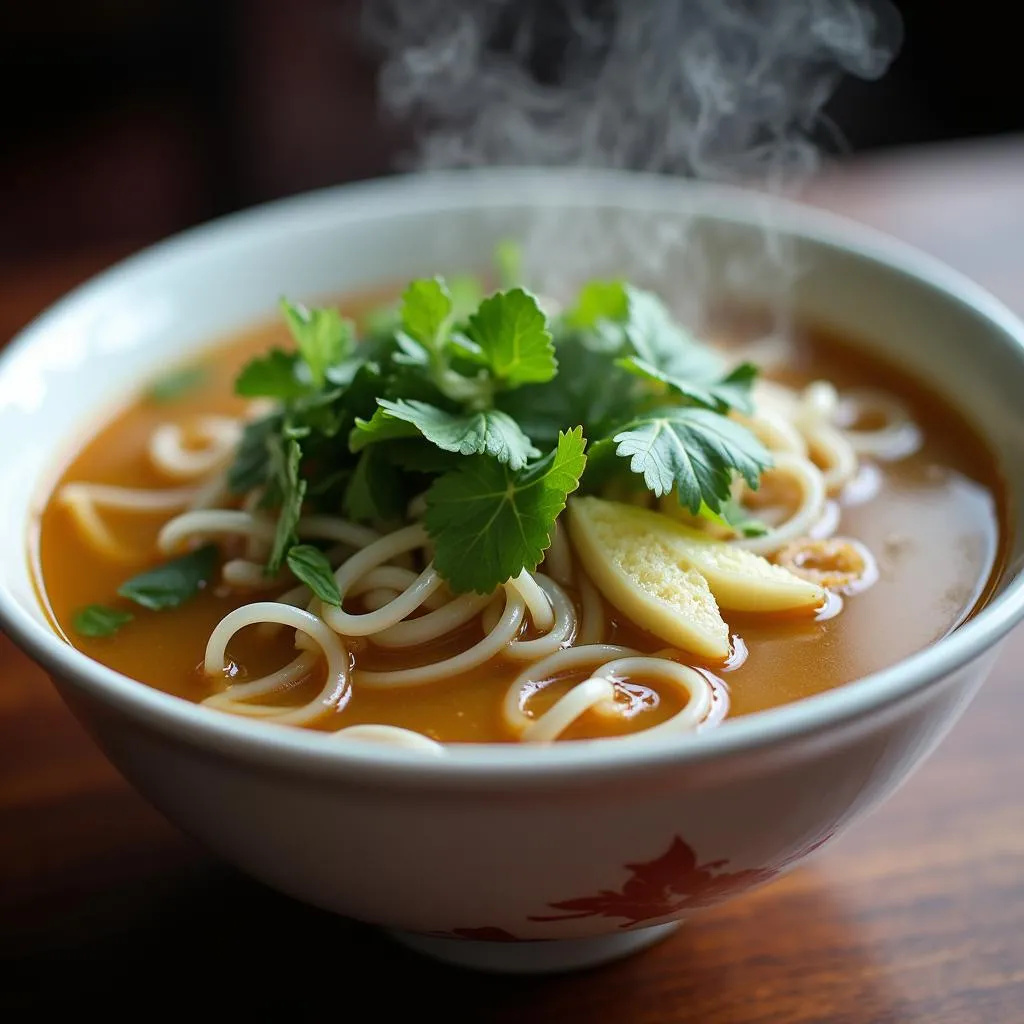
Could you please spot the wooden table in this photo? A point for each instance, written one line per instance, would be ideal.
(917, 916)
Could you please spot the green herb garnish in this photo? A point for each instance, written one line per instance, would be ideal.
(488, 521)
(310, 565)
(483, 404)
(174, 582)
(96, 620)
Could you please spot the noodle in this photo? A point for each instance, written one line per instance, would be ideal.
(172, 457)
(336, 689)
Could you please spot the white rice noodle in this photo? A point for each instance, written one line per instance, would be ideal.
(395, 578)
(495, 642)
(834, 454)
(803, 518)
(561, 630)
(378, 597)
(205, 523)
(392, 736)
(899, 437)
(336, 529)
(827, 445)
(774, 431)
(688, 682)
(371, 557)
(535, 677)
(300, 668)
(558, 557)
(337, 686)
(83, 501)
(243, 574)
(537, 603)
(437, 623)
(583, 697)
(171, 456)
(592, 628)
(597, 693)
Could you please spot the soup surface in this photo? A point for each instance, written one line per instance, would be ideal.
(931, 520)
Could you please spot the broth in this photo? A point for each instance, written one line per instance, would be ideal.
(932, 522)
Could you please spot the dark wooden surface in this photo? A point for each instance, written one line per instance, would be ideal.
(917, 916)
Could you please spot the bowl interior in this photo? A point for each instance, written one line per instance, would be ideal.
(78, 362)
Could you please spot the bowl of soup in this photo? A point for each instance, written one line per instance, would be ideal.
(519, 561)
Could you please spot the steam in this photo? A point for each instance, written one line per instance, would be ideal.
(720, 90)
(723, 90)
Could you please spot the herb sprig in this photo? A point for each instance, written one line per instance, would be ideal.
(484, 404)
(490, 409)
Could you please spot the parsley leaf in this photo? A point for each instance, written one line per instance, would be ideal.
(488, 521)
(695, 451)
(589, 390)
(286, 456)
(97, 620)
(174, 385)
(511, 333)
(310, 565)
(271, 376)
(426, 307)
(174, 582)
(488, 431)
(698, 380)
(323, 337)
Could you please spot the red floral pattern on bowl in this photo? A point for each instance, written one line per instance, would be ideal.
(656, 889)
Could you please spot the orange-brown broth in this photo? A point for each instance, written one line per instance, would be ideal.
(934, 527)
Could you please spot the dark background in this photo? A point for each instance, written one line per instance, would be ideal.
(126, 120)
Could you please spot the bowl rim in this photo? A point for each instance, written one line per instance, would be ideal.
(469, 765)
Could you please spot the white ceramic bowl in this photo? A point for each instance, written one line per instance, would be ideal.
(599, 846)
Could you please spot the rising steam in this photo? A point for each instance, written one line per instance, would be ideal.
(715, 89)
(720, 90)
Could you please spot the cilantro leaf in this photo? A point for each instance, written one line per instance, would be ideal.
(96, 620)
(696, 451)
(310, 565)
(271, 376)
(174, 385)
(589, 390)
(426, 307)
(489, 431)
(488, 521)
(291, 492)
(511, 333)
(174, 582)
(323, 337)
(380, 427)
(692, 375)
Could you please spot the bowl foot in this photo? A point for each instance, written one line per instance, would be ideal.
(544, 957)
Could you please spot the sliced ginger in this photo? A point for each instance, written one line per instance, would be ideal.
(671, 579)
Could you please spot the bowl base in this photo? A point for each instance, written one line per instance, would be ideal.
(543, 957)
